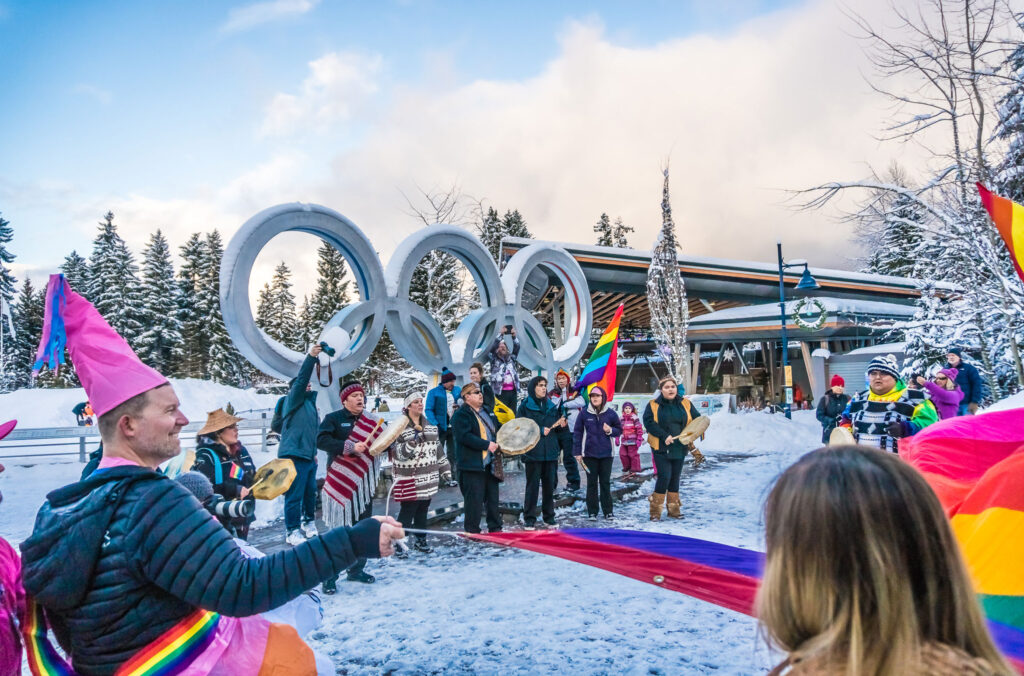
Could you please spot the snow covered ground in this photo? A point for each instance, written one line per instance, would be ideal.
(472, 608)
(478, 609)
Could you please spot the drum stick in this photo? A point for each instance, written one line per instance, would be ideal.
(422, 531)
(579, 459)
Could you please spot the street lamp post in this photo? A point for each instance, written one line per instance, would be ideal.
(807, 282)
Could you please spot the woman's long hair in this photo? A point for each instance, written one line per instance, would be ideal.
(863, 569)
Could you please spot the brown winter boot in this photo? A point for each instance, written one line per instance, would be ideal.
(673, 506)
(657, 501)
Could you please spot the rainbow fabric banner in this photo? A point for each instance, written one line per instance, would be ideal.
(1008, 217)
(975, 464)
(235, 472)
(601, 367)
(720, 574)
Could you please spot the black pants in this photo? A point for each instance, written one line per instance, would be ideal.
(358, 566)
(669, 472)
(572, 467)
(447, 440)
(600, 475)
(480, 491)
(544, 475)
(413, 513)
(510, 398)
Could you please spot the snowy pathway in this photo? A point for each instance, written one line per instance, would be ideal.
(471, 608)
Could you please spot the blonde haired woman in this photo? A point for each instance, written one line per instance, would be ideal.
(863, 575)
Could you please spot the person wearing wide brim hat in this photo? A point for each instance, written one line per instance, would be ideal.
(222, 458)
(138, 554)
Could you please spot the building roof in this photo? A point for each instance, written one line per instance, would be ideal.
(617, 275)
(844, 317)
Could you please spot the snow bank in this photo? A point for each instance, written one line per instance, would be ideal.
(757, 432)
(1012, 401)
(52, 408)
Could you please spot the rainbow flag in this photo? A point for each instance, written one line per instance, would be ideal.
(600, 370)
(235, 472)
(1008, 217)
(975, 464)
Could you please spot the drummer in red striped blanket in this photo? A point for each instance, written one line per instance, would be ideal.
(352, 473)
(419, 463)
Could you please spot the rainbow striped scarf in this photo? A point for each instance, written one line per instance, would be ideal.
(170, 654)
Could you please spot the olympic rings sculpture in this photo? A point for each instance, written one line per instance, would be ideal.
(384, 298)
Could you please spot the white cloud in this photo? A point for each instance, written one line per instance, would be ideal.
(249, 16)
(92, 91)
(338, 84)
(780, 103)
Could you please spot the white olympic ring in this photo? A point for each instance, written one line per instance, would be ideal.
(384, 298)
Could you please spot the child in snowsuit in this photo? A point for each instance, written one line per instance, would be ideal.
(629, 442)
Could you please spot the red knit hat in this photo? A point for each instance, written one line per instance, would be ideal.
(837, 380)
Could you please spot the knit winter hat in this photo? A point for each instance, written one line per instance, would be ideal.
(885, 364)
(411, 397)
(630, 404)
(350, 388)
(837, 381)
(956, 350)
(563, 372)
(110, 371)
(446, 375)
(197, 484)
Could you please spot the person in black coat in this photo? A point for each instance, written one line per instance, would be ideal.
(832, 406)
(138, 553)
(475, 429)
(542, 460)
(968, 379)
(592, 442)
(222, 459)
(665, 417)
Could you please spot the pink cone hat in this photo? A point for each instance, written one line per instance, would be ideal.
(108, 368)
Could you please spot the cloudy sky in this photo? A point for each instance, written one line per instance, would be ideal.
(189, 116)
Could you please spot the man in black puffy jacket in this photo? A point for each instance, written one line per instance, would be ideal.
(120, 558)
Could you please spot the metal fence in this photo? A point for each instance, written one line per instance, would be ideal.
(66, 442)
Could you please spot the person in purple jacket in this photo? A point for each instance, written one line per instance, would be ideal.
(946, 394)
(592, 441)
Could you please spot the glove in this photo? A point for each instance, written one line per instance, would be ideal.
(972, 408)
(698, 457)
(899, 429)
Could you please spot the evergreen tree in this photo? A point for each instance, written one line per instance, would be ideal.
(226, 365)
(308, 329)
(28, 325)
(76, 271)
(9, 368)
(899, 247)
(331, 293)
(493, 228)
(160, 344)
(514, 225)
(666, 296)
(603, 228)
(619, 233)
(113, 281)
(490, 230)
(1010, 173)
(194, 338)
(275, 309)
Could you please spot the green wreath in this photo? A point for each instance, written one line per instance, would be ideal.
(801, 306)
